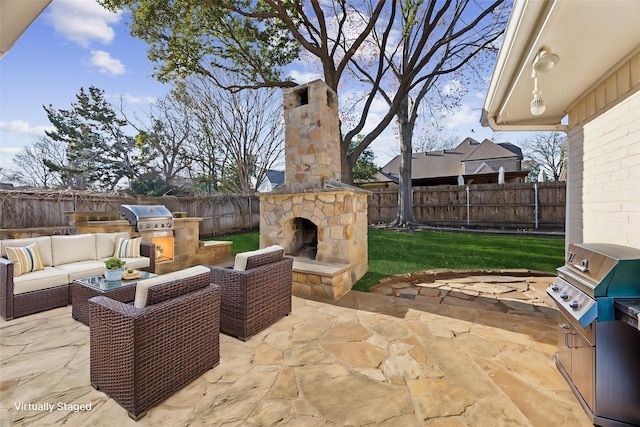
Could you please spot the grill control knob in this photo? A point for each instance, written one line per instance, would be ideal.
(574, 304)
(555, 287)
(564, 295)
(146, 226)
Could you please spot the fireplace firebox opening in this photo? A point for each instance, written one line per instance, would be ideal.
(304, 239)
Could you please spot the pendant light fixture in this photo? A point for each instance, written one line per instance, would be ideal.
(544, 61)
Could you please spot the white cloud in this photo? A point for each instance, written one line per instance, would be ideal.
(463, 117)
(83, 21)
(20, 127)
(301, 77)
(10, 151)
(105, 63)
(132, 99)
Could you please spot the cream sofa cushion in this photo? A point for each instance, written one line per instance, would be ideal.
(50, 277)
(241, 258)
(106, 243)
(142, 287)
(67, 249)
(81, 269)
(44, 247)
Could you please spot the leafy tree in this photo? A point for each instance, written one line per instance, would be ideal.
(99, 154)
(151, 184)
(534, 169)
(364, 170)
(415, 42)
(549, 151)
(253, 40)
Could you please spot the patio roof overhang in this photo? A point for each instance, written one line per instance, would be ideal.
(15, 18)
(590, 37)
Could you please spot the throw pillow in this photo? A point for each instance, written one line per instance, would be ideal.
(25, 259)
(128, 248)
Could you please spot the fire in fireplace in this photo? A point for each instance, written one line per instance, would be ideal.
(164, 248)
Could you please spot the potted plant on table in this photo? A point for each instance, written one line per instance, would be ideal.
(113, 268)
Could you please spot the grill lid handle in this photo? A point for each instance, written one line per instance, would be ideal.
(583, 266)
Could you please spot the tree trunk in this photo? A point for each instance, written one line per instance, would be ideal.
(346, 168)
(405, 190)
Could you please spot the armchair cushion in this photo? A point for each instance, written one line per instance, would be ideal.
(160, 288)
(25, 259)
(252, 259)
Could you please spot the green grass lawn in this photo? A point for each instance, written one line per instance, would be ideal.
(392, 252)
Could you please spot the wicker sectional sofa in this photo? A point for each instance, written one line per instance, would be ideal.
(64, 258)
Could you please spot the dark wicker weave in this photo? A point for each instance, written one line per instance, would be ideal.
(80, 295)
(149, 250)
(12, 306)
(141, 356)
(256, 298)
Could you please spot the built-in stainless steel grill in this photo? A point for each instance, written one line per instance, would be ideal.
(147, 217)
(597, 354)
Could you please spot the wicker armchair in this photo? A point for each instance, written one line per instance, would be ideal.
(141, 356)
(256, 297)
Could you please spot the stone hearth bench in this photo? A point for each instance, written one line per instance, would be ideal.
(320, 279)
(64, 259)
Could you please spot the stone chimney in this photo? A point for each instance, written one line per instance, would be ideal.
(318, 220)
(312, 136)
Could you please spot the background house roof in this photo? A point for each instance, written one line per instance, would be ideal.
(449, 162)
(15, 17)
(590, 37)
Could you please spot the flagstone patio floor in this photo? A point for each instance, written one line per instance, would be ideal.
(368, 359)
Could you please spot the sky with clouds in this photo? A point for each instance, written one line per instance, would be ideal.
(76, 43)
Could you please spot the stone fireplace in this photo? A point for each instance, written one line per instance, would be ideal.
(318, 220)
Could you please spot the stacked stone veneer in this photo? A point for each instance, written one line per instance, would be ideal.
(312, 136)
(341, 220)
(312, 191)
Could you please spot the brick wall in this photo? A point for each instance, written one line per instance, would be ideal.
(603, 185)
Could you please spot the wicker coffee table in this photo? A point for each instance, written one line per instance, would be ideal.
(84, 289)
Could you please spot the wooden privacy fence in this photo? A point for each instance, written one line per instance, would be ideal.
(221, 214)
(521, 205)
(526, 206)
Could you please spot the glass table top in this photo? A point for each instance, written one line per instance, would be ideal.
(99, 282)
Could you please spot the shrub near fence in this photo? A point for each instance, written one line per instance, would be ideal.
(50, 210)
(519, 205)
